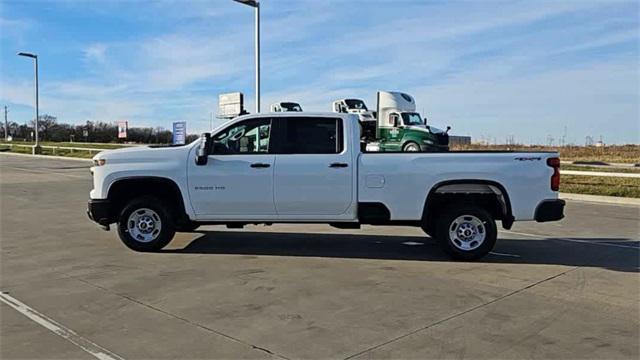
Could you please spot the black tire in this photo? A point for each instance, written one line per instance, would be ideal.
(166, 225)
(406, 147)
(446, 223)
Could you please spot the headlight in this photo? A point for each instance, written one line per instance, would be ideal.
(99, 162)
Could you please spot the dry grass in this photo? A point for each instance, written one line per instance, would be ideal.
(629, 154)
(598, 185)
(70, 144)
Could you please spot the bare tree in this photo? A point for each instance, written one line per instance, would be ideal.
(45, 123)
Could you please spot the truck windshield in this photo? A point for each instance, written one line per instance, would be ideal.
(411, 119)
(355, 104)
(290, 106)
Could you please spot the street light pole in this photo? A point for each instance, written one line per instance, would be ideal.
(256, 5)
(257, 57)
(36, 148)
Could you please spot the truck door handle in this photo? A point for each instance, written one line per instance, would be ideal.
(260, 165)
(339, 165)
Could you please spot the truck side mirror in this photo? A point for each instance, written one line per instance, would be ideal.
(202, 154)
(425, 120)
(396, 121)
(448, 128)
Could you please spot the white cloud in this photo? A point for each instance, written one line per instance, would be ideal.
(95, 53)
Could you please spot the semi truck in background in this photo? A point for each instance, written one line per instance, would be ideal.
(285, 106)
(354, 106)
(401, 128)
(395, 125)
(366, 117)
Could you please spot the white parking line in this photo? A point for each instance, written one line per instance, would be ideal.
(92, 348)
(601, 243)
(48, 172)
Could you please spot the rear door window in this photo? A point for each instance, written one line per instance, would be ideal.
(307, 135)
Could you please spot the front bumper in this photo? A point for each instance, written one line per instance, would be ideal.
(550, 210)
(99, 210)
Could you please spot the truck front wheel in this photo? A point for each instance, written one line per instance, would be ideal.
(145, 225)
(411, 147)
(466, 232)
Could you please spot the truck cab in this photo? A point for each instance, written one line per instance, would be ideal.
(401, 128)
(285, 106)
(366, 117)
(353, 106)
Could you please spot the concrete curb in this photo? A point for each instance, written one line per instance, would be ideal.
(601, 199)
(599, 173)
(47, 156)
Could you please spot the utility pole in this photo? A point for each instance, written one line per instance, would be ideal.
(6, 125)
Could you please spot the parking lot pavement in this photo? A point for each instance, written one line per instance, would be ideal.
(560, 290)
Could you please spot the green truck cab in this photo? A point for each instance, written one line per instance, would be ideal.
(401, 128)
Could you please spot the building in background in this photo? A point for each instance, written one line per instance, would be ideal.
(459, 140)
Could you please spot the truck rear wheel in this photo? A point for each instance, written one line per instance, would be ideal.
(466, 232)
(145, 225)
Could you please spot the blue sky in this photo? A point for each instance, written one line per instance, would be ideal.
(490, 69)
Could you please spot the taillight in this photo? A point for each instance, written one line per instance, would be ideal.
(555, 178)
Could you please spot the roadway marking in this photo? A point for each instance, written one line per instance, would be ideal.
(601, 243)
(90, 347)
(46, 172)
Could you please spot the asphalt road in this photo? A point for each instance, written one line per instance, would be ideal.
(70, 290)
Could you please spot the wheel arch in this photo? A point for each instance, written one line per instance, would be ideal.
(465, 189)
(167, 190)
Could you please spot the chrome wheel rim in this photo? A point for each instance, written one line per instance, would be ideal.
(467, 232)
(144, 225)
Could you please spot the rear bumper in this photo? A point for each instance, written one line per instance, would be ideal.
(550, 210)
(99, 210)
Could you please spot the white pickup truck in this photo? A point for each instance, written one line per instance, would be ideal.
(310, 168)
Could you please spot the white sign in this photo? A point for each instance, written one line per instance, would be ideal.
(230, 105)
(179, 132)
(122, 129)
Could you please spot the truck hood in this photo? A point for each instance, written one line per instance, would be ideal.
(141, 153)
(423, 128)
(363, 114)
(420, 128)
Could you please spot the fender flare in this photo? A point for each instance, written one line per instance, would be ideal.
(474, 186)
(181, 210)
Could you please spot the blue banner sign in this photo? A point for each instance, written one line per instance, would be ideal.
(179, 132)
